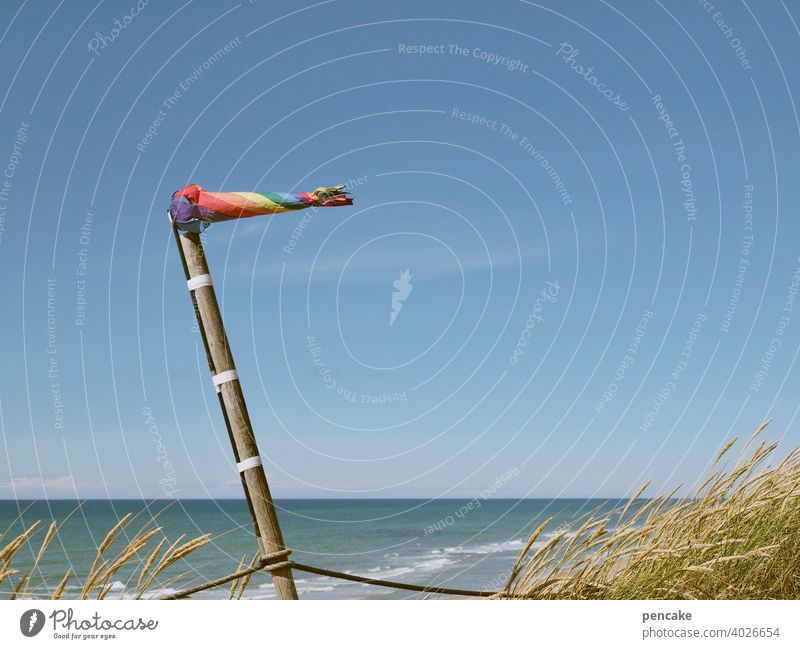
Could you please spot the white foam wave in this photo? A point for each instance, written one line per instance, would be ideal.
(488, 548)
(434, 564)
(388, 573)
(315, 589)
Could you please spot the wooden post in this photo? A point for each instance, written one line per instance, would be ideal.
(234, 407)
(176, 234)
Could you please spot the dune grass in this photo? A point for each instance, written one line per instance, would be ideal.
(139, 556)
(736, 537)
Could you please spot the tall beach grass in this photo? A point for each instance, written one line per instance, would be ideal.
(140, 555)
(736, 537)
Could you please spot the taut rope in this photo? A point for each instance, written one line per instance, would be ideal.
(280, 559)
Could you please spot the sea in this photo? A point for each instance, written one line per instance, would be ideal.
(468, 544)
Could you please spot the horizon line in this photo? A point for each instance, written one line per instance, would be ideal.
(421, 498)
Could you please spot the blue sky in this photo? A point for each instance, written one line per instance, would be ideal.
(595, 202)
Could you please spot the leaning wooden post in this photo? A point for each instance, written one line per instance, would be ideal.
(226, 382)
(176, 234)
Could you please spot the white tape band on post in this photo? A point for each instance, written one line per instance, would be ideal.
(224, 377)
(200, 280)
(249, 463)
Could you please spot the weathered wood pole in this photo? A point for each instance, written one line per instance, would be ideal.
(226, 382)
(176, 234)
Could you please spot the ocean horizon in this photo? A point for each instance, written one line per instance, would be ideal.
(453, 542)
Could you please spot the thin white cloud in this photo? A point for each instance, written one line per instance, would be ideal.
(26, 486)
(366, 268)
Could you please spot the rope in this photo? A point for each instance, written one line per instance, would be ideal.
(265, 563)
(268, 562)
(441, 590)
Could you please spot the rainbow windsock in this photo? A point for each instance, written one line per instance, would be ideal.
(193, 208)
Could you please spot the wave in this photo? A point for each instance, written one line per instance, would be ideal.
(315, 589)
(388, 572)
(438, 563)
(488, 548)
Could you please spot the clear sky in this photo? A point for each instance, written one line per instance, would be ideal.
(596, 204)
